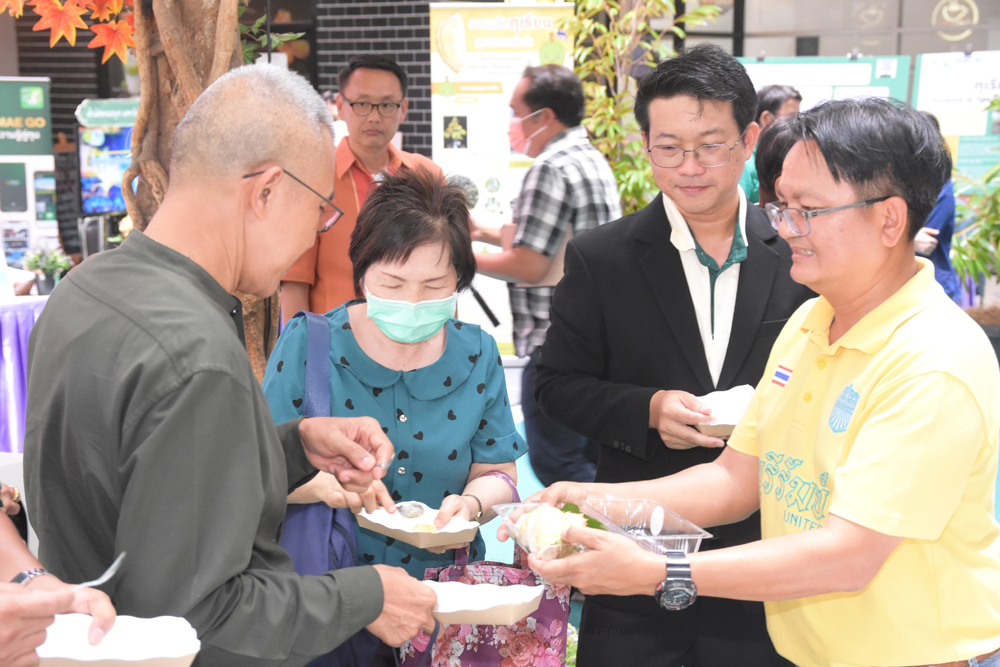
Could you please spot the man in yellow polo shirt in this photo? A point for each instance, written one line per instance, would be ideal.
(870, 446)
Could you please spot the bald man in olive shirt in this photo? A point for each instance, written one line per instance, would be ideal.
(147, 431)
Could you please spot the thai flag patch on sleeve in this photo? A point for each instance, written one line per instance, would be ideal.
(781, 376)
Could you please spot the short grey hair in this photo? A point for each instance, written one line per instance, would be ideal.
(250, 115)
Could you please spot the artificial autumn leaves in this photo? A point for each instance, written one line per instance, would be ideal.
(63, 17)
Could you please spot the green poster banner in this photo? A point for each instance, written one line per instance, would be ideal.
(25, 117)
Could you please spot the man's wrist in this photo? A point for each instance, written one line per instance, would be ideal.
(304, 429)
(26, 577)
(655, 403)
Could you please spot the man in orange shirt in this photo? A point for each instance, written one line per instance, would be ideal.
(372, 101)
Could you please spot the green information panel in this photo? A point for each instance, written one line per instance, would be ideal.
(822, 79)
(108, 113)
(977, 154)
(25, 117)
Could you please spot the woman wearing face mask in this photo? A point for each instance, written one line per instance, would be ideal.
(434, 383)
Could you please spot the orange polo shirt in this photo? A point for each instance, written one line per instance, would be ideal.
(326, 266)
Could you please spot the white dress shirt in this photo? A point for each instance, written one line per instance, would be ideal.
(716, 341)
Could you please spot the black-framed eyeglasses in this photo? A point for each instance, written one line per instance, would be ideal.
(385, 109)
(798, 220)
(707, 155)
(330, 213)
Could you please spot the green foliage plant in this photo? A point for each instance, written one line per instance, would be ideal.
(613, 38)
(253, 38)
(50, 262)
(974, 248)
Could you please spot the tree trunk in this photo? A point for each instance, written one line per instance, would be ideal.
(182, 46)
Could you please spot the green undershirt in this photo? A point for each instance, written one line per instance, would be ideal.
(737, 253)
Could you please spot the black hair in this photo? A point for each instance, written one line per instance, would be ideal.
(769, 157)
(704, 72)
(372, 61)
(932, 119)
(558, 88)
(408, 210)
(880, 147)
(770, 98)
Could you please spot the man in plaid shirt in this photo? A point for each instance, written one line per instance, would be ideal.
(569, 189)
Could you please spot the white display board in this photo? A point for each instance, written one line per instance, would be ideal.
(478, 54)
(956, 88)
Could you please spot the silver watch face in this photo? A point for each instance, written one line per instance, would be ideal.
(676, 594)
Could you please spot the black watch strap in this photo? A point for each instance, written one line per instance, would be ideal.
(25, 577)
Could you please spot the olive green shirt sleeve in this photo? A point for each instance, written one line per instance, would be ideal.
(197, 489)
(300, 470)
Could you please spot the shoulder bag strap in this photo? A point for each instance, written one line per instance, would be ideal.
(317, 385)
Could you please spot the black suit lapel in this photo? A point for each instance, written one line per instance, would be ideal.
(661, 264)
(757, 273)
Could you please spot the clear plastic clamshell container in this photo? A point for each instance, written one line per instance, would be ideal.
(511, 512)
(651, 525)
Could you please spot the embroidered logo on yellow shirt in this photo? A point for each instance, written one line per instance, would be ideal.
(806, 501)
(843, 409)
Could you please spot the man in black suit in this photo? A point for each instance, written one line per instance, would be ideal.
(680, 299)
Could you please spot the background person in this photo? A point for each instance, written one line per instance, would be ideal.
(372, 101)
(146, 429)
(870, 445)
(432, 382)
(933, 241)
(30, 602)
(773, 103)
(680, 299)
(568, 190)
(769, 156)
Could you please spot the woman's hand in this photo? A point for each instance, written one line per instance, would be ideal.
(376, 496)
(7, 494)
(611, 565)
(463, 507)
(324, 488)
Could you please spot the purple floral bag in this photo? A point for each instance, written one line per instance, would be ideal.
(536, 641)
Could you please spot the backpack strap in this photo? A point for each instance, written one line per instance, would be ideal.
(317, 383)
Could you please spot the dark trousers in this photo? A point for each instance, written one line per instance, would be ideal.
(721, 633)
(557, 454)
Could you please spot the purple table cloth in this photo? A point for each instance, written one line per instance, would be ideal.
(17, 316)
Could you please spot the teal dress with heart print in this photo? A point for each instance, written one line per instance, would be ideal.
(441, 418)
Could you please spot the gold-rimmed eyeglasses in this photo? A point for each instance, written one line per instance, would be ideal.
(330, 213)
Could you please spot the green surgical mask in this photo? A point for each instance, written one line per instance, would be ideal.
(406, 322)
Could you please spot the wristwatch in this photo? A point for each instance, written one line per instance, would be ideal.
(25, 577)
(677, 591)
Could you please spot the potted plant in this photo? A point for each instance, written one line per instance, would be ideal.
(49, 265)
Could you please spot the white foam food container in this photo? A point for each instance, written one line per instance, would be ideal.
(484, 604)
(397, 526)
(165, 641)
(727, 410)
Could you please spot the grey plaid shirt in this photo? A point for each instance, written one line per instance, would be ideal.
(569, 185)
